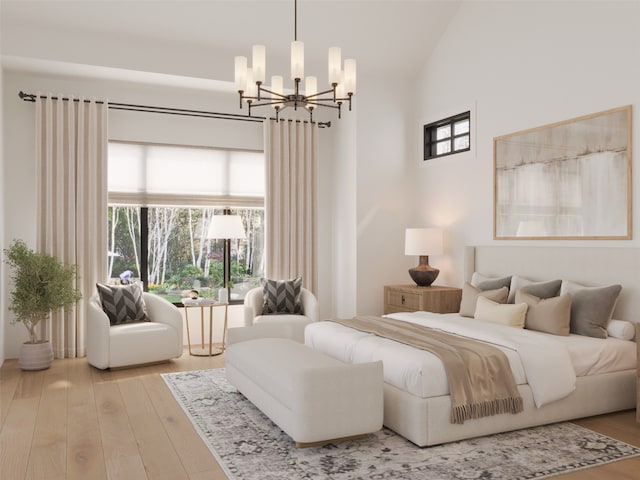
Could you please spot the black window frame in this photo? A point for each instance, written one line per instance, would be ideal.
(430, 140)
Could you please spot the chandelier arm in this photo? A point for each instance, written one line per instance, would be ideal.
(323, 105)
(279, 95)
(320, 93)
(265, 103)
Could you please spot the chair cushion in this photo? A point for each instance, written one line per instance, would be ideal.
(122, 303)
(281, 296)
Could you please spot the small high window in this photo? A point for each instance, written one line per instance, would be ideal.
(448, 136)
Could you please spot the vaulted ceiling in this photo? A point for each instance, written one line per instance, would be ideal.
(391, 37)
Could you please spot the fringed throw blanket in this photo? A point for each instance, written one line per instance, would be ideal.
(480, 379)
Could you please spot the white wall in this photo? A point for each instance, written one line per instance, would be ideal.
(519, 65)
(385, 189)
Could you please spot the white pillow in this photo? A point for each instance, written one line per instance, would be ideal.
(621, 329)
(512, 315)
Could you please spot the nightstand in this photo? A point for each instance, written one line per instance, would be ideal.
(410, 298)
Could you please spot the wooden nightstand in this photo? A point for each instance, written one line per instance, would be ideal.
(409, 298)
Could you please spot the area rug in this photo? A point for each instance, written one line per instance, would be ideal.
(249, 446)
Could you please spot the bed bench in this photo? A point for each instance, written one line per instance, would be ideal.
(312, 397)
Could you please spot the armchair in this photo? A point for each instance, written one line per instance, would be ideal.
(128, 344)
(292, 324)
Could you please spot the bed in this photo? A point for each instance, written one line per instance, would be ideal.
(417, 406)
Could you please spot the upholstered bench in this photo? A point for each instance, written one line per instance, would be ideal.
(312, 397)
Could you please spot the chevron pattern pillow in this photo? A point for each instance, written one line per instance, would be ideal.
(123, 303)
(281, 296)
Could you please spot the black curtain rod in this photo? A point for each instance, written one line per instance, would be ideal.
(31, 97)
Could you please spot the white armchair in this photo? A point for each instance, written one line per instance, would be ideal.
(289, 325)
(128, 344)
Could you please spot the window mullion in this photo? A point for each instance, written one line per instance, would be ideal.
(144, 247)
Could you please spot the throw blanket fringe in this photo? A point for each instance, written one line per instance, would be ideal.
(460, 413)
(480, 380)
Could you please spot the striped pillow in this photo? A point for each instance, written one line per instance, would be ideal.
(123, 303)
(281, 296)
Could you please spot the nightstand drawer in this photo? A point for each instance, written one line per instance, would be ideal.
(409, 298)
(404, 300)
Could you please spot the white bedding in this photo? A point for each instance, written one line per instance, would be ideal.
(548, 363)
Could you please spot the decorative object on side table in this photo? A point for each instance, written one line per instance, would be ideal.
(41, 284)
(423, 242)
(410, 298)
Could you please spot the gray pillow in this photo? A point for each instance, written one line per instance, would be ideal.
(591, 308)
(470, 296)
(549, 315)
(282, 296)
(483, 282)
(122, 303)
(548, 289)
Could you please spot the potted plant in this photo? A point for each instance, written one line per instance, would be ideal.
(41, 284)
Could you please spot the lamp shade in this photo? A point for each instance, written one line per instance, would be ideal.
(226, 226)
(423, 241)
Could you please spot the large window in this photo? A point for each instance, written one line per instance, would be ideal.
(447, 136)
(161, 200)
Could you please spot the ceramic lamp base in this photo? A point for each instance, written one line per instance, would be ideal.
(424, 274)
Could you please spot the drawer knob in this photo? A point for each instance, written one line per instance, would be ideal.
(402, 299)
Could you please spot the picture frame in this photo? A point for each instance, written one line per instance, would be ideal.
(566, 180)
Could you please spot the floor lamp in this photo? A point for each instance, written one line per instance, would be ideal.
(226, 227)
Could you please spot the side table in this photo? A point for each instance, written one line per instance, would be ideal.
(205, 350)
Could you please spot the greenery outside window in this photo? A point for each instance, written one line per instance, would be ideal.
(158, 223)
(447, 136)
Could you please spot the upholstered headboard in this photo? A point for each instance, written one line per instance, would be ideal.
(591, 266)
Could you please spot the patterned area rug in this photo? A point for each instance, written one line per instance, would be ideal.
(249, 446)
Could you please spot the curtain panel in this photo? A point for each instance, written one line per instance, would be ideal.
(71, 171)
(291, 150)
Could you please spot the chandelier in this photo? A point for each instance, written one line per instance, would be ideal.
(249, 81)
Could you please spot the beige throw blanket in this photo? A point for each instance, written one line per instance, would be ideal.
(480, 379)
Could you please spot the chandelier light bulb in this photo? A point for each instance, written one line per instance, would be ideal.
(335, 60)
(350, 75)
(297, 60)
(259, 63)
(241, 73)
(251, 89)
(277, 88)
(311, 87)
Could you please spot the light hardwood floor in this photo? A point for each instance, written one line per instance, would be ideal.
(73, 421)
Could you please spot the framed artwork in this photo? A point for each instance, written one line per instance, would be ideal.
(567, 180)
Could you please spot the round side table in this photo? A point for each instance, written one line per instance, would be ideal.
(205, 350)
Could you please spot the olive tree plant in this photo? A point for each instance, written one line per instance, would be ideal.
(41, 284)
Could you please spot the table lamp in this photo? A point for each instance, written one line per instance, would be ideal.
(226, 227)
(423, 242)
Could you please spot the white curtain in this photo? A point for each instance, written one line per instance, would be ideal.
(71, 166)
(291, 201)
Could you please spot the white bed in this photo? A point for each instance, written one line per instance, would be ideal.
(417, 406)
